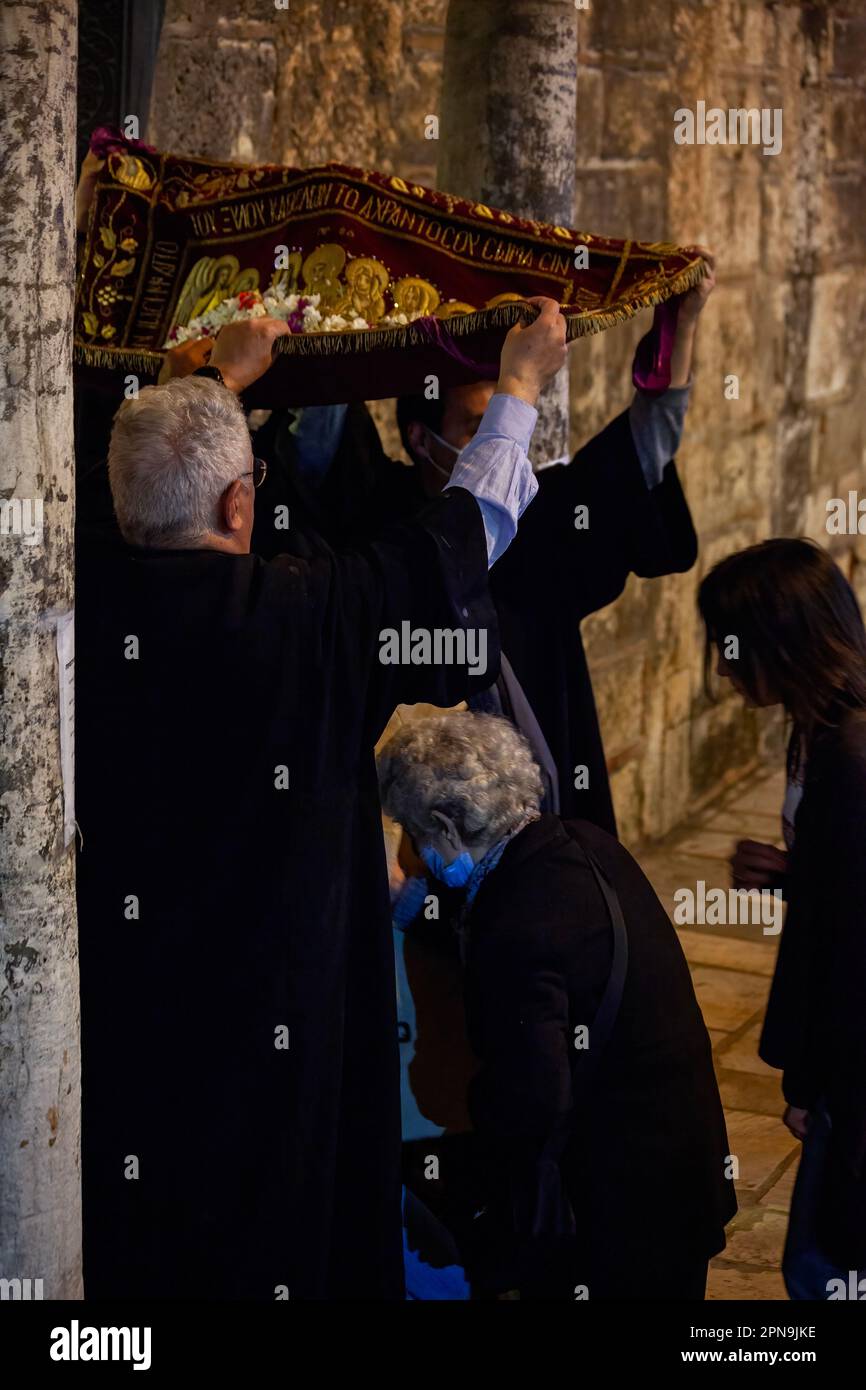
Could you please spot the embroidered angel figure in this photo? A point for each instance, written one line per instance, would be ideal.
(211, 280)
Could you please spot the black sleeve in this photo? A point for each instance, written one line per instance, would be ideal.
(420, 593)
(816, 1017)
(594, 522)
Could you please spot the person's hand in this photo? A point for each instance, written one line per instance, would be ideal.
(533, 353)
(185, 359)
(694, 300)
(754, 865)
(90, 171)
(396, 882)
(243, 350)
(797, 1121)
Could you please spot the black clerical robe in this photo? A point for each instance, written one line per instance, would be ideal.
(557, 573)
(240, 1069)
(553, 575)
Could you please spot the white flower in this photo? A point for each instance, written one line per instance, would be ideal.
(274, 304)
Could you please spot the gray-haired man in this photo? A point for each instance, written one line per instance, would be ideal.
(241, 1103)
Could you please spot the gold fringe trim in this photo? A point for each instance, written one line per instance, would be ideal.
(411, 335)
(141, 360)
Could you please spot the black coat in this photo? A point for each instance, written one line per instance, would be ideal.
(216, 908)
(550, 579)
(556, 575)
(645, 1168)
(815, 1029)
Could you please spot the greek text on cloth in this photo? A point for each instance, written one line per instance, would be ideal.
(382, 281)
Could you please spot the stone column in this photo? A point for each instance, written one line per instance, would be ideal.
(40, 1207)
(508, 130)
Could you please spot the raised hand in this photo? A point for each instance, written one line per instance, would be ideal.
(694, 300)
(533, 353)
(244, 350)
(186, 358)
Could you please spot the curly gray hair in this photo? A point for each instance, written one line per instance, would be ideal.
(475, 768)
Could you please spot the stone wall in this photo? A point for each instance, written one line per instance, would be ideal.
(787, 318)
(341, 79)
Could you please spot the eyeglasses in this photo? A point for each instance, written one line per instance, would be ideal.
(258, 472)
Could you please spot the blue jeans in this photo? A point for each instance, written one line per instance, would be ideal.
(807, 1271)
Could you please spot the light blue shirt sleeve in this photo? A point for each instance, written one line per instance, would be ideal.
(657, 428)
(495, 468)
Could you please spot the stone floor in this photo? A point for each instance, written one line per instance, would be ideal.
(731, 968)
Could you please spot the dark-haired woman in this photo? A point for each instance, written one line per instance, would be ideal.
(787, 629)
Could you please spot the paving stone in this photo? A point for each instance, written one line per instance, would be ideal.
(730, 953)
(764, 796)
(724, 1283)
(780, 1194)
(742, 1054)
(742, 1091)
(756, 1242)
(728, 998)
(717, 845)
(762, 1144)
(736, 931)
(672, 871)
(747, 825)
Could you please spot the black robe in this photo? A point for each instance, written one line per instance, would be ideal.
(645, 1166)
(555, 575)
(222, 914)
(815, 1029)
(552, 576)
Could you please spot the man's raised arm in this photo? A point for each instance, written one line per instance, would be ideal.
(495, 465)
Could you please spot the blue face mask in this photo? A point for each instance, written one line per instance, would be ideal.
(454, 875)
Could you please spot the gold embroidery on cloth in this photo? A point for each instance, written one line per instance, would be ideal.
(129, 170)
(321, 272)
(504, 299)
(367, 280)
(211, 280)
(412, 295)
(454, 308)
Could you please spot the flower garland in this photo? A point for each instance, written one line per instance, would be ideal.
(300, 312)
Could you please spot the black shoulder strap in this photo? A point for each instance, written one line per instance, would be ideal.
(608, 1010)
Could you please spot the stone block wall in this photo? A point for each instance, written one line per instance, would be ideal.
(788, 319)
(353, 80)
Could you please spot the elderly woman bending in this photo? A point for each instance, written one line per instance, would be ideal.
(607, 1165)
